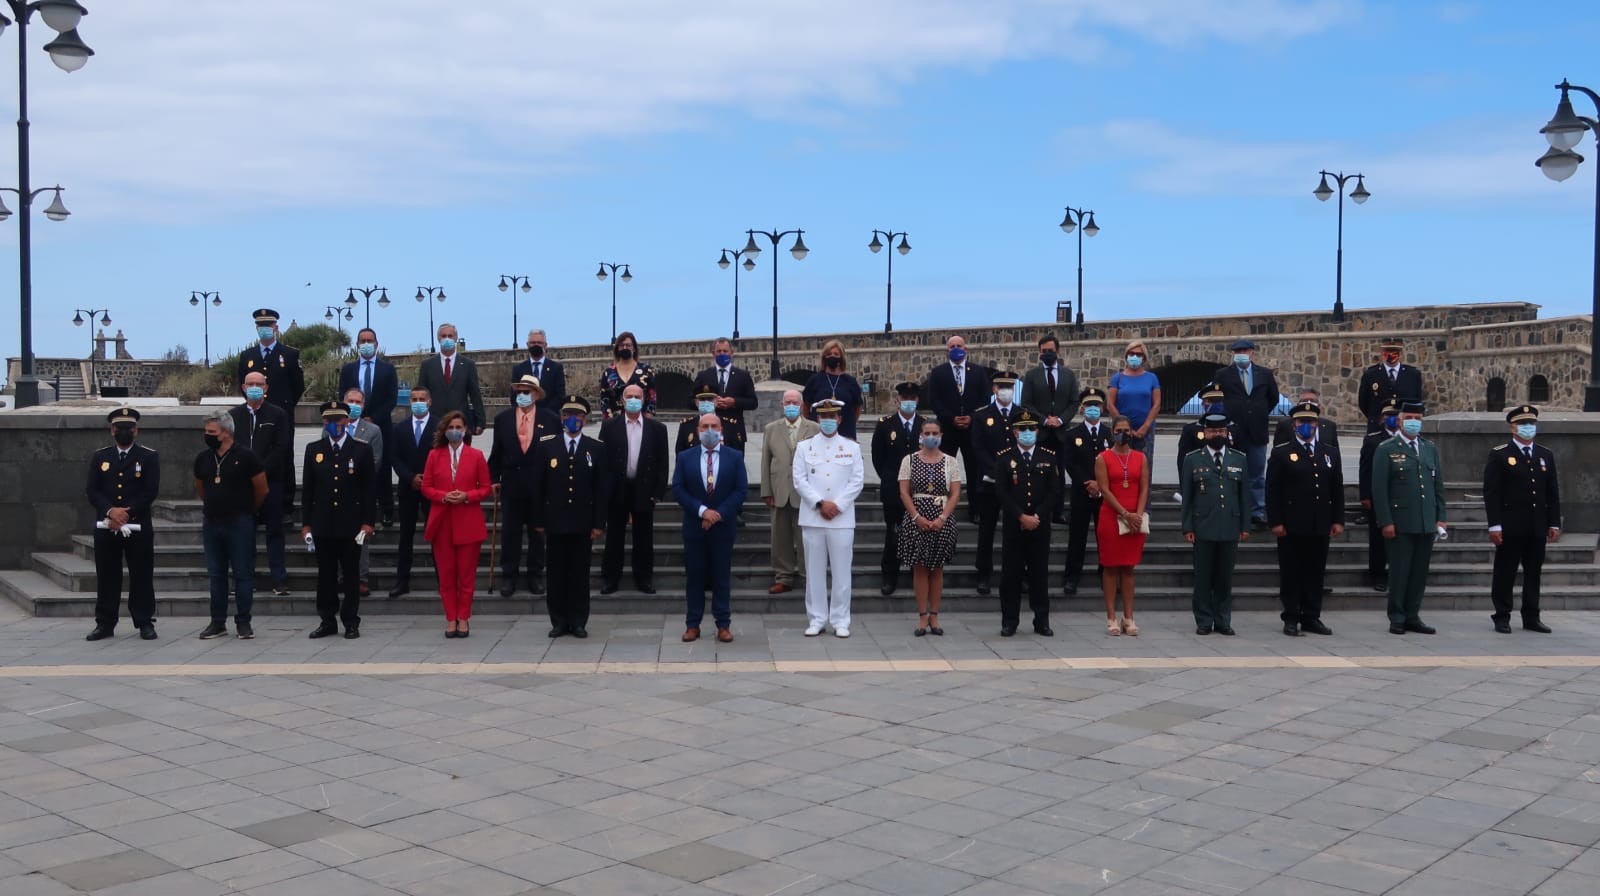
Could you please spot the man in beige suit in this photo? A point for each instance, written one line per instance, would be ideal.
(779, 441)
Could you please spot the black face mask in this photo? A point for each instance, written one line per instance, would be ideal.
(1216, 442)
(536, 352)
(833, 363)
(624, 354)
(123, 436)
(213, 442)
(1123, 438)
(1048, 359)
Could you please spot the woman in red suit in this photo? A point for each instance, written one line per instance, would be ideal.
(456, 481)
(1124, 479)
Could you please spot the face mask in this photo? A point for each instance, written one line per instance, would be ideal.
(791, 412)
(930, 442)
(265, 334)
(355, 410)
(1391, 423)
(1135, 361)
(254, 393)
(536, 352)
(958, 354)
(706, 407)
(1091, 413)
(624, 354)
(829, 426)
(1216, 442)
(1027, 438)
(1205, 407)
(455, 436)
(419, 409)
(908, 408)
(1305, 431)
(1124, 438)
(833, 363)
(213, 442)
(524, 399)
(1241, 360)
(1526, 431)
(1390, 359)
(1048, 359)
(711, 438)
(367, 349)
(1004, 395)
(123, 436)
(1411, 427)
(334, 430)
(447, 344)
(573, 425)
(723, 359)
(633, 405)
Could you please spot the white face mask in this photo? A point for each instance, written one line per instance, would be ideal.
(1004, 395)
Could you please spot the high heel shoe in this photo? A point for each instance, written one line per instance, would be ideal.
(921, 629)
(1129, 628)
(463, 631)
(1114, 626)
(933, 625)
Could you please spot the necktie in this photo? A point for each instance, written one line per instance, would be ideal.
(538, 367)
(908, 430)
(1218, 456)
(1527, 451)
(252, 428)
(1309, 449)
(1249, 380)
(447, 371)
(961, 379)
(1027, 458)
(122, 456)
(418, 436)
(525, 429)
(722, 379)
(711, 475)
(366, 380)
(1392, 375)
(572, 448)
(1050, 376)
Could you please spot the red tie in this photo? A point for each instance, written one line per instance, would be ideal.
(447, 371)
(710, 479)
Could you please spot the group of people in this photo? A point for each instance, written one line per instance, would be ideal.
(1028, 452)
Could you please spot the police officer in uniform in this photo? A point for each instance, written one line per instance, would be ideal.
(991, 433)
(1193, 435)
(705, 402)
(286, 383)
(340, 505)
(571, 490)
(894, 439)
(1523, 503)
(1082, 444)
(1377, 546)
(1387, 381)
(124, 480)
(1408, 501)
(1305, 509)
(1027, 484)
(1216, 517)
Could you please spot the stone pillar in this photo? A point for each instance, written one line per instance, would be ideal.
(122, 347)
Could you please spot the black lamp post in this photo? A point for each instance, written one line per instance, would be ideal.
(338, 314)
(510, 287)
(199, 298)
(1323, 192)
(724, 262)
(105, 321)
(69, 53)
(424, 293)
(799, 251)
(888, 290)
(625, 277)
(1089, 228)
(1559, 162)
(366, 299)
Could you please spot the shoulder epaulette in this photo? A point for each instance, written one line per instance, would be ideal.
(1499, 447)
(887, 417)
(546, 438)
(1007, 449)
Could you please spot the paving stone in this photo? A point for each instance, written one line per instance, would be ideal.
(54, 743)
(694, 862)
(109, 871)
(1506, 743)
(1545, 827)
(292, 829)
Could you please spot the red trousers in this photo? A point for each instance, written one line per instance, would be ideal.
(458, 577)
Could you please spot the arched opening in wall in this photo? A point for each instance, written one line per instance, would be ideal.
(674, 391)
(797, 375)
(1495, 397)
(1180, 382)
(1538, 389)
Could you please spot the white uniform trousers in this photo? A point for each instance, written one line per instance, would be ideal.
(828, 549)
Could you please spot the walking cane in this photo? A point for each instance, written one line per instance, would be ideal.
(494, 542)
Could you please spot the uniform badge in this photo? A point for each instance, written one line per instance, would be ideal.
(281, 362)
(1294, 458)
(1511, 461)
(1079, 441)
(552, 463)
(318, 458)
(991, 421)
(1013, 465)
(1374, 387)
(1542, 464)
(250, 364)
(352, 468)
(894, 434)
(138, 469)
(105, 465)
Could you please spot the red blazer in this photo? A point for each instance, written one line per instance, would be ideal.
(456, 523)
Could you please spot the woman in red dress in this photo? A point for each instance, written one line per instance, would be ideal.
(1124, 479)
(456, 482)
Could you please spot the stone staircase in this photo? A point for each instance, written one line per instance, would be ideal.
(62, 583)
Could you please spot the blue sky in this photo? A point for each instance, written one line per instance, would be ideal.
(256, 150)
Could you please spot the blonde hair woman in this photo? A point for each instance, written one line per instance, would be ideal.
(1135, 393)
(832, 382)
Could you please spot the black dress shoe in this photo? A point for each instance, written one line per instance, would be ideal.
(1397, 629)
(579, 632)
(400, 587)
(1202, 629)
(1059, 519)
(351, 633)
(886, 589)
(452, 633)
(1044, 631)
(147, 632)
(281, 589)
(1069, 588)
(609, 588)
(1316, 627)
(1007, 631)
(100, 633)
(388, 520)
(646, 587)
(464, 633)
(1381, 586)
(1420, 628)
(326, 630)
(1225, 630)
(1292, 629)
(536, 585)
(983, 585)
(506, 590)
(1259, 523)
(1537, 626)
(558, 631)
(1503, 628)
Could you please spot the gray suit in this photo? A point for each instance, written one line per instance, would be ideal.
(372, 434)
(462, 394)
(777, 483)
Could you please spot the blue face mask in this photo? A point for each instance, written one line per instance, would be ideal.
(1526, 431)
(958, 354)
(711, 438)
(367, 349)
(908, 408)
(1241, 360)
(524, 399)
(419, 409)
(1305, 431)
(706, 407)
(447, 344)
(573, 425)
(791, 412)
(723, 359)
(355, 410)
(455, 436)
(334, 430)
(633, 405)
(829, 425)
(1027, 438)
(1391, 423)
(1134, 361)
(1091, 413)
(265, 334)
(1411, 427)
(930, 442)
(254, 393)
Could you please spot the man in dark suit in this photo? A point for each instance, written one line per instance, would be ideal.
(893, 440)
(1025, 486)
(339, 509)
(378, 381)
(955, 392)
(735, 392)
(286, 383)
(1377, 546)
(570, 490)
(1388, 380)
(1083, 443)
(991, 434)
(1250, 393)
(1523, 502)
(124, 481)
(548, 371)
(709, 483)
(1050, 394)
(513, 468)
(1305, 508)
(636, 457)
(453, 381)
(1327, 430)
(264, 428)
(409, 443)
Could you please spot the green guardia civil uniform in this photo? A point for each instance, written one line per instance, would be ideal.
(1216, 508)
(1408, 493)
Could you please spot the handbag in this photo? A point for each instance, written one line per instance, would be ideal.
(1144, 525)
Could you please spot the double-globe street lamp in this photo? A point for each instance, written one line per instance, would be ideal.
(69, 53)
(338, 314)
(799, 251)
(508, 283)
(366, 299)
(199, 298)
(1324, 192)
(424, 293)
(1559, 162)
(626, 277)
(749, 264)
(105, 321)
(1088, 228)
(888, 291)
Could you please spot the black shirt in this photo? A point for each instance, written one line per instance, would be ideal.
(226, 482)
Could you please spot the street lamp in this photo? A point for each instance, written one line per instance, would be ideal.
(626, 277)
(1559, 162)
(888, 292)
(424, 293)
(1089, 228)
(1323, 192)
(69, 53)
(199, 298)
(724, 262)
(338, 314)
(105, 321)
(366, 298)
(799, 252)
(510, 287)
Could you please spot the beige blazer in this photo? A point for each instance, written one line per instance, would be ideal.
(777, 461)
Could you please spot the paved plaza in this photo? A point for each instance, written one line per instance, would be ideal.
(1467, 763)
